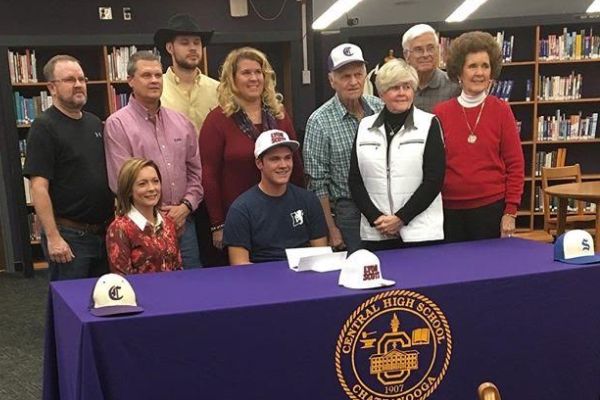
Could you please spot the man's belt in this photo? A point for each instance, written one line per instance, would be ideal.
(80, 226)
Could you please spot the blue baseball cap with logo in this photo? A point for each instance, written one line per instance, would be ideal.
(575, 247)
(113, 295)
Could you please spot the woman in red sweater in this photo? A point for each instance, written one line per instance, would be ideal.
(141, 239)
(484, 160)
(248, 105)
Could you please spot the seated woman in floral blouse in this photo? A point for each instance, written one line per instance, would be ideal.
(141, 239)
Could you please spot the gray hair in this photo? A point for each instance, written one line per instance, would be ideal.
(394, 72)
(51, 64)
(415, 31)
(140, 55)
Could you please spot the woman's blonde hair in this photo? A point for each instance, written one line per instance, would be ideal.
(394, 72)
(228, 92)
(126, 179)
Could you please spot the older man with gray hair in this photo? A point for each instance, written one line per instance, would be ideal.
(330, 132)
(422, 52)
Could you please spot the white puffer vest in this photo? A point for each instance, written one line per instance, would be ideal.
(389, 189)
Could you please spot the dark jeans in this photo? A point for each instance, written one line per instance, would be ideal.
(347, 219)
(473, 223)
(188, 245)
(90, 255)
(209, 254)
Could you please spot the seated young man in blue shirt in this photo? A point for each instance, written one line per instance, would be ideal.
(274, 215)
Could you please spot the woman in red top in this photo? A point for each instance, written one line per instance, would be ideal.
(484, 160)
(141, 239)
(248, 105)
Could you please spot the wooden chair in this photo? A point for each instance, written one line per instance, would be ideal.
(488, 391)
(560, 175)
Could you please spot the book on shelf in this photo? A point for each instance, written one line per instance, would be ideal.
(528, 90)
(117, 60)
(118, 100)
(506, 45)
(22, 67)
(549, 159)
(576, 45)
(27, 109)
(27, 189)
(567, 127)
(560, 87)
(22, 150)
(502, 89)
(35, 227)
(444, 47)
(538, 205)
(23, 153)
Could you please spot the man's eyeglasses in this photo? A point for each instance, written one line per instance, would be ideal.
(72, 80)
(421, 51)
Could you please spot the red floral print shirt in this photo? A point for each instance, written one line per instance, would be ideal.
(136, 250)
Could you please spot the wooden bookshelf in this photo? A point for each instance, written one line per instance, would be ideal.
(570, 61)
(569, 101)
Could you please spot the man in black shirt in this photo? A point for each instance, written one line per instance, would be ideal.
(66, 165)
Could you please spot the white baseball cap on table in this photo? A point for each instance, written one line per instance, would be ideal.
(575, 247)
(272, 138)
(113, 295)
(362, 270)
(343, 54)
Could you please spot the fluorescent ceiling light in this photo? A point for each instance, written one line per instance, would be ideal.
(337, 9)
(594, 7)
(464, 10)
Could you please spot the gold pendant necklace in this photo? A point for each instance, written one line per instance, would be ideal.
(472, 138)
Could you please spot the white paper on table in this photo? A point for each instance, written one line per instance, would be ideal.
(319, 259)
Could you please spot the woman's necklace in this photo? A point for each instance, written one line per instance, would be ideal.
(472, 138)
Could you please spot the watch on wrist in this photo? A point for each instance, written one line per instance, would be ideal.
(187, 203)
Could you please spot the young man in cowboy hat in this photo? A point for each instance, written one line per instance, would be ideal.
(273, 215)
(185, 88)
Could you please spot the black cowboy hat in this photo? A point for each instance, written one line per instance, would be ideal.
(180, 24)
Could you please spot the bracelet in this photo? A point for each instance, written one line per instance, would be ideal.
(187, 203)
(213, 229)
(511, 215)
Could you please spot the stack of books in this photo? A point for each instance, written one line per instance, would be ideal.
(502, 89)
(554, 158)
(563, 127)
(117, 100)
(22, 67)
(570, 46)
(28, 109)
(571, 206)
(506, 45)
(35, 227)
(118, 59)
(560, 87)
(117, 62)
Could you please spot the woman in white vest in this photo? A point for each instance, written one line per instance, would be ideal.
(397, 167)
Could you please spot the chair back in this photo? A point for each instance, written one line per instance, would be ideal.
(568, 174)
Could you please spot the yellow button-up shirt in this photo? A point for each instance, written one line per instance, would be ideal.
(195, 103)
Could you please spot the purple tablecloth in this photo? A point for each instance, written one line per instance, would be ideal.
(264, 332)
